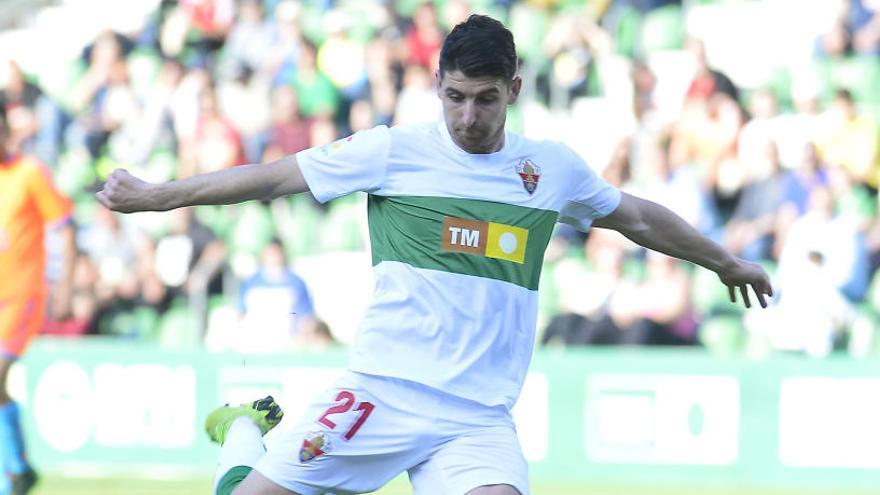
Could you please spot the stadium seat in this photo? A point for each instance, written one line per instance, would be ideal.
(340, 228)
(252, 230)
(710, 296)
(723, 334)
(74, 172)
(178, 327)
(626, 33)
(529, 26)
(662, 29)
(143, 67)
(299, 229)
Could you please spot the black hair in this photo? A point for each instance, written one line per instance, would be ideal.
(480, 46)
(4, 124)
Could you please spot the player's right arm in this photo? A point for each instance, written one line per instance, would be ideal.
(126, 193)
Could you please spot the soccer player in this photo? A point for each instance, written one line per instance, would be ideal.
(28, 203)
(460, 213)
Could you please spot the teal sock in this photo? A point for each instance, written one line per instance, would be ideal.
(11, 440)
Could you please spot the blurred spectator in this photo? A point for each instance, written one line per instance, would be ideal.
(315, 338)
(855, 28)
(817, 261)
(89, 95)
(341, 58)
(317, 95)
(585, 291)
(850, 139)
(799, 128)
(417, 101)
(190, 256)
(111, 243)
(751, 229)
(707, 80)
(762, 127)
(216, 144)
(249, 40)
(243, 102)
(289, 132)
(865, 22)
(35, 121)
(208, 22)
(361, 116)
(275, 306)
(677, 188)
(424, 38)
(656, 310)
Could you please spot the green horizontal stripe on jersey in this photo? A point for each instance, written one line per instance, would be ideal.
(409, 229)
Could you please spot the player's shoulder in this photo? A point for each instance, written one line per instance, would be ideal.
(30, 167)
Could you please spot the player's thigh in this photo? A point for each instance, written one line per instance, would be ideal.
(483, 460)
(354, 439)
(257, 484)
(21, 318)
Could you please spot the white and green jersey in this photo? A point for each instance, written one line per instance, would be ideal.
(458, 241)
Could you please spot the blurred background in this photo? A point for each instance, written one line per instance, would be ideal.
(758, 121)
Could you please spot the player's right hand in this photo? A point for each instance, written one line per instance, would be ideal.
(126, 193)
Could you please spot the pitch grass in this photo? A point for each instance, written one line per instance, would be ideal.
(53, 485)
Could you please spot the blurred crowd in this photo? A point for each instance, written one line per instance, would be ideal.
(756, 121)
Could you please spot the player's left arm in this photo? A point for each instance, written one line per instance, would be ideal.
(63, 291)
(656, 227)
(56, 211)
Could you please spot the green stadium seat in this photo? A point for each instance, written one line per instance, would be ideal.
(162, 165)
(253, 229)
(626, 34)
(146, 321)
(340, 228)
(74, 172)
(710, 296)
(723, 334)
(529, 27)
(143, 67)
(178, 327)
(663, 29)
(300, 231)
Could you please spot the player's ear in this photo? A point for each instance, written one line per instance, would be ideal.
(515, 87)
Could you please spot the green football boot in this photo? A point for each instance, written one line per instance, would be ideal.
(265, 413)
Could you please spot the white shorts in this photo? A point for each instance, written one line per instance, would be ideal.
(367, 429)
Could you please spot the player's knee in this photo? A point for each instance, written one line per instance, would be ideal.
(494, 490)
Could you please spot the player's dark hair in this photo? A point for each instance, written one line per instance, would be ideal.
(480, 46)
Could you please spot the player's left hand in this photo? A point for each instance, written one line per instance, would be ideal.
(740, 275)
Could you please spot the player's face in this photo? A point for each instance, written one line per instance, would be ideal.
(475, 109)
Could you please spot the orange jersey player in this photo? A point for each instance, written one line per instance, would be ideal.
(29, 203)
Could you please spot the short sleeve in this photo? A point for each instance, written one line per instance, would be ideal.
(590, 197)
(53, 206)
(355, 163)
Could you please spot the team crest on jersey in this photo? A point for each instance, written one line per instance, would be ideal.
(314, 445)
(529, 173)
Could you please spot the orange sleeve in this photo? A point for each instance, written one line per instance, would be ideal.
(54, 207)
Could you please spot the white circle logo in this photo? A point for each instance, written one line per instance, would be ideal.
(65, 401)
(507, 242)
